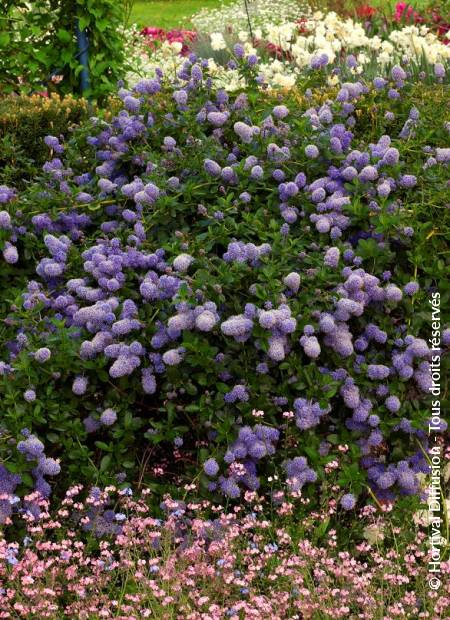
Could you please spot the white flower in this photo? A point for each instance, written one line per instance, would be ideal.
(374, 533)
(217, 41)
(176, 46)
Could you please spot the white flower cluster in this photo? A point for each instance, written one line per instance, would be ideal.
(334, 36)
(330, 34)
(260, 12)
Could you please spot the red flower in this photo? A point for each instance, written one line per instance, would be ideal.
(366, 11)
(172, 36)
(153, 33)
(406, 12)
(302, 28)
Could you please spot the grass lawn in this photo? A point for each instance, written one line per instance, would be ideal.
(168, 13)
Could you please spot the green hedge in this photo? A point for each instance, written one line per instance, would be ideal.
(24, 122)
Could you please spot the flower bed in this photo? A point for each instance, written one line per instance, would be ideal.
(289, 47)
(109, 557)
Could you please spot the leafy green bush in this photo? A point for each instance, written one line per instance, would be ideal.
(206, 262)
(24, 123)
(39, 52)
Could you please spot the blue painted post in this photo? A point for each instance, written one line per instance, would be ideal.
(83, 46)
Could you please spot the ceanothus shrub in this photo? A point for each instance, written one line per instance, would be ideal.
(203, 257)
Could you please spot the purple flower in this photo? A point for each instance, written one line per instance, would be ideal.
(238, 393)
(398, 74)
(228, 174)
(368, 173)
(31, 447)
(323, 225)
(29, 396)
(256, 173)
(206, 321)
(239, 50)
(411, 288)
(377, 371)
(443, 155)
(348, 501)
(5, 220)
(182, 262)
(211, 467)
(217, 118)
(292, 281)
(212, 168)
(393, 404)
(108, 417)
(148, 381)
(238, 326)
(79, 386)
(173, 357)
(131, 103)
(446, 337)
(393, 293)
(311, 151)
(311, 346)
(408, 181)
(197, 73)
(391, 156)
(280, 111)
(181, 97)
(124, 365)
(386, 480)
(49, 467)
(10, 253)
(383, 189)
(317, 62)
(244, 131)
(42, 355)
(379, 83)
(230, 488)
(332, 256)
(439, 70)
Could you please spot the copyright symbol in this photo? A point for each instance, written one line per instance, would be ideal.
(435, 583)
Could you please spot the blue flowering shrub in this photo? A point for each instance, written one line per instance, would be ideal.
(246, 277)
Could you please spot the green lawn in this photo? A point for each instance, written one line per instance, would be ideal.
(168, 13)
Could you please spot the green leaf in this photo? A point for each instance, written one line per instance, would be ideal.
(103, 446)
(64, 35)
(4, 39)
(105, 462)
(84, 21)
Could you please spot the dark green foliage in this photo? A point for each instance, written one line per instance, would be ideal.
(38, 48)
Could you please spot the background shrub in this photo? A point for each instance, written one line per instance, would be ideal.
(24, 123)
